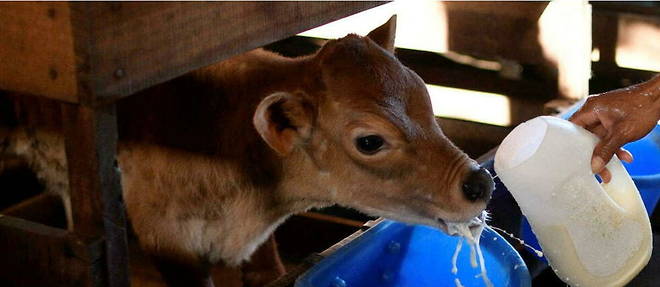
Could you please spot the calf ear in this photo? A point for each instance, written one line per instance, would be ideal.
(384, 35)
(284, 120)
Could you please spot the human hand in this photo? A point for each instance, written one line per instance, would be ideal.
(619, 117)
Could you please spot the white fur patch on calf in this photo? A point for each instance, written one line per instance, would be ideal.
(45, 153)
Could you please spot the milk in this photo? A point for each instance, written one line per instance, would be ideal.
(592, 234)
(471, 232)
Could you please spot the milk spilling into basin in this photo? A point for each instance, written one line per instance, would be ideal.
(470, 232)
(592, 234)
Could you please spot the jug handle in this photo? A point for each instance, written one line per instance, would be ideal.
(621, 185)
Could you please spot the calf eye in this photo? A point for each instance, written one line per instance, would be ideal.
(370, 144)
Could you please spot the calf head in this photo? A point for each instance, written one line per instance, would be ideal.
(364, 136)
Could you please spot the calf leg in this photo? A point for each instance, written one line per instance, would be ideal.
(264, 266)
(183, 273)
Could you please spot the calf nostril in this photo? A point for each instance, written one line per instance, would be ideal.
(478, 185)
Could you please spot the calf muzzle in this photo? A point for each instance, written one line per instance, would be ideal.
(478, 185)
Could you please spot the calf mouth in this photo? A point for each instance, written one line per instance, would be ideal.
(475, 225)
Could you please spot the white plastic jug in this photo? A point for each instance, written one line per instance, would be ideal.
(592, 234)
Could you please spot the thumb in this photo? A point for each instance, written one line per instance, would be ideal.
(604, 151)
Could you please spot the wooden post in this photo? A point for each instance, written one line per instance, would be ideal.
(94, 180)
(565, 34)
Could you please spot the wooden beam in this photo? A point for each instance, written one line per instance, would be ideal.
(649, 8)
(439, 70)
(332, 219)
(94, 180)
(526, 96)
(131, 46)
(494, 30)
(45, 208)
(555, 35)
(605, 31)
(95, 53)
(36, 51)
(38, 255)
(473, 138)
(610, 77)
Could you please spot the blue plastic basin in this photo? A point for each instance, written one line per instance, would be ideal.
(397, 254)
(645, 168)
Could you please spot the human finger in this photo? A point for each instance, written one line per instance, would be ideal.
(605, 175)
(584, 117)
(604, 151)
(624, 155)
(599, 130)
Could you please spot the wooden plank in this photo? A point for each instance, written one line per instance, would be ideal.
(649, 8)
(439, 70)
(526, 96)
(45, 208)
(554, 35)
(38, 255)
(494, 30)
(473, 138)
(84, 51)
(94, 179)
(126, 47)
(292, 273)
(621, 34)
(611, 77)
(605, 31)
(36, 50)
(332, 219)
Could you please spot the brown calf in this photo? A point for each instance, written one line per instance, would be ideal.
(212, 162)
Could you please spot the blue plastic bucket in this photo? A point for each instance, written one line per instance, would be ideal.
(645, 168)
(394, 254)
